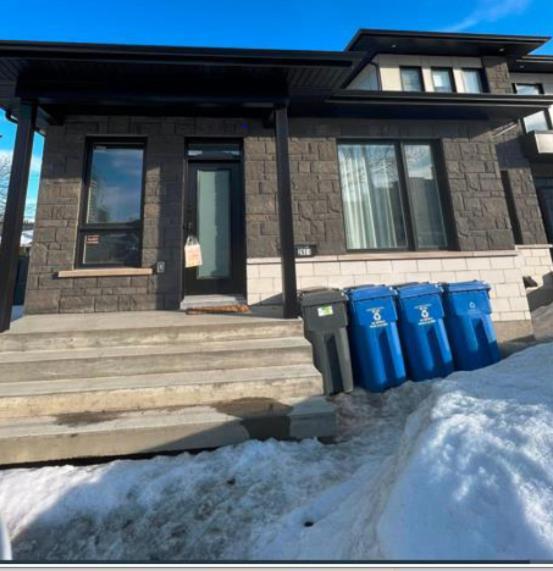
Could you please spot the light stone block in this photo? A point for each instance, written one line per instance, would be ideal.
(404, 266)
(326, 268)
(503, 263)
(478, 263)
(353, 268)
(454, 264)
(269, 271)
(379, 266)
(430, 265)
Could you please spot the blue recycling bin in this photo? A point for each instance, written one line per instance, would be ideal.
(374, 338)
(469, 324)
(423, 333)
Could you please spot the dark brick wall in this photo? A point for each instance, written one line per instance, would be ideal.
(512, 160)
(60, 194)
(473, 177)
(474, 181)
(497, 74)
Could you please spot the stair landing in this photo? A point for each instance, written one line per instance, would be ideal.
(109, 384)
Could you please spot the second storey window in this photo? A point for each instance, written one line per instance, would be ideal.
(391, 196)
(111, 214)
(472, 80)
(411, 78)
(442, 79)
(537, 121)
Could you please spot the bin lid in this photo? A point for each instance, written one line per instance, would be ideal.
(474, 285)
(369, 292)
(321, 297)
(414, 290)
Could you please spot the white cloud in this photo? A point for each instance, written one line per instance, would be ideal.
(489, 11)
(36, 160)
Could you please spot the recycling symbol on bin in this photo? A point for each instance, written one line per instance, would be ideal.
(424, 313)
(472, 305)
(376, 315)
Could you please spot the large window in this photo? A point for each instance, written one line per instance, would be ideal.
(411, 78)
(111, 220)
(442, 79)
(537, 121)
(472, 80)
(391, 196)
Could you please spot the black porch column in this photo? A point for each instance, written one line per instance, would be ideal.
(15, 209)
(285, 218)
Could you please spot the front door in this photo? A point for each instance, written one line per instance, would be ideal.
(214, 215)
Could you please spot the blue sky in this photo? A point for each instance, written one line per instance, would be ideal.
(293, 24)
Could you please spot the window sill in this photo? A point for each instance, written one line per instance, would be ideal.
(104, 272)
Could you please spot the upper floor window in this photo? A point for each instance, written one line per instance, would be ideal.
(411, 79)
(391, 196)
(537, 121)
(368, 79)
(111, 221)
(442, 80)
(472, 80)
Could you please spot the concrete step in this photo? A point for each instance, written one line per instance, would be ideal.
(141, 359)
(159, 390)
(212, 301)
(191, 329)
(38, 439)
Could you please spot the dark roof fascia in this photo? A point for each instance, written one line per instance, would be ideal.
(532, 63)
(503, 41)
(358, 95)
(172, 54)
(438, 104)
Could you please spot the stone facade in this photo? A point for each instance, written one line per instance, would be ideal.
(60, 195)
(479, 215)
(511, 157)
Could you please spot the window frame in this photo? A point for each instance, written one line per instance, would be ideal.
(406, 196)
(451, 75)
(418, 68)
(85, 227)
(482, 79)
(546, 113)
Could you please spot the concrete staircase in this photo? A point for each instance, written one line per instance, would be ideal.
(130, 387)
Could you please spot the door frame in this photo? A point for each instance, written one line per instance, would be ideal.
(241, 249)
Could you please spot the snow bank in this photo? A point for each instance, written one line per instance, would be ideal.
(474, 475)
(455, 469)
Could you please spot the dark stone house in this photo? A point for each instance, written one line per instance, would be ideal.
(405, 157)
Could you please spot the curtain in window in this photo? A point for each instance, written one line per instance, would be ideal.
(372, 204)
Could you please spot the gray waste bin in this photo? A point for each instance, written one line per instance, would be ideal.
(325, 325)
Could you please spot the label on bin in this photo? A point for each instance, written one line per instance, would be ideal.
(425, 317)
(325, 310)
(377, 317)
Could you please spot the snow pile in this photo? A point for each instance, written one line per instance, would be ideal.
(456, 469)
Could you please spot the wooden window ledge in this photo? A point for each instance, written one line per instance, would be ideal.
(104, 272)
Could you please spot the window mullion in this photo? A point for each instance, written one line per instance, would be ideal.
(406, 196)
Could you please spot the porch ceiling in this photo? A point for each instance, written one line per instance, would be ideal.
(62, 75)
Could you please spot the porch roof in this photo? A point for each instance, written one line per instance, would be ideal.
(62, 77)
(68, 78)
